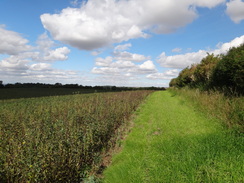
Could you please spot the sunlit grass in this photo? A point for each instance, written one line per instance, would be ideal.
(173, 142)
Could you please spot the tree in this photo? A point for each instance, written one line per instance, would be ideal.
(229, 72)
(204, 70)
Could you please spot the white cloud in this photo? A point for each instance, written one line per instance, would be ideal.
(183, 60)
(235, 9)
(122, 64)
(105, 70)
(99, 23)
(120, 67)
(75, 3)
(164, 76)
(57, 54)
(15, 69)
(24, 62)
(96, 53)
(104, 62)
(12, 43)
(40, 67)
(45, 53)
(223, 48)
(122, 47)
(147, 66)
(177, 50)
(14, 63)
(129, 56)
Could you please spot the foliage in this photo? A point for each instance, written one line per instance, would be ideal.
(60, 139)
(185, 76)
(222, 72)
(229, 73)
(203, 71)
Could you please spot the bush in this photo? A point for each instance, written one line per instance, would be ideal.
(223, 72)
(229, 72)
(204, 70)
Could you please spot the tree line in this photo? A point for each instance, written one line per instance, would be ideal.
(76, 86)
(224, 73)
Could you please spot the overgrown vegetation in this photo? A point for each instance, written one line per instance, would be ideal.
(217, 85)
(224, 73)
(230, 111)
(60, 139)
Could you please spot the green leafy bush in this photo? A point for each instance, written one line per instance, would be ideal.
(224, 73)
(229, 72)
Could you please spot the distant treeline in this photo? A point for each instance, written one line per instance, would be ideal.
(224, 73)
(76, 86)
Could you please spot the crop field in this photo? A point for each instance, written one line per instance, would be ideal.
(16, 93)
(60, 139)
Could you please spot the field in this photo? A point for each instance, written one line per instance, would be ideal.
(15, 93)
(177, 136)
(61, 138)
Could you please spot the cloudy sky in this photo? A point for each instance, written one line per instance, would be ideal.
(113, 42)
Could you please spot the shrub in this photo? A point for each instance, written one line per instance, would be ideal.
(229, 72)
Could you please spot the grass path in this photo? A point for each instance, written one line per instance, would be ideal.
(172, 142)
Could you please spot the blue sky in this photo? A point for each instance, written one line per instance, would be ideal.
(108, 42)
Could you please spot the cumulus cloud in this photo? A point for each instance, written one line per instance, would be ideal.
(235, 9)
(129, 56)
(183, 60)
(164, 76)
(223, 48)
(57, 54)
(123, 63)
(177, 50)
(125, 68)
(122, 47)
(104, 61)
(45, 51)
(11, 42)
(14, 63)
(96, 53)
(16, 67)
(99, 23)
(27, 62)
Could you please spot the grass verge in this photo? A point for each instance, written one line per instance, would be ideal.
(173, 142)
(229, 110)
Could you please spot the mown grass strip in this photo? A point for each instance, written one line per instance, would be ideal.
(173, 142)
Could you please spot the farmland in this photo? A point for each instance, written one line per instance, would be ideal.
(61, 138)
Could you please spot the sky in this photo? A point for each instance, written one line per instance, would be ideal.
(138, 43)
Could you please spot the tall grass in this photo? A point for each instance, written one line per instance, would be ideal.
(230, 110)
(60, 139)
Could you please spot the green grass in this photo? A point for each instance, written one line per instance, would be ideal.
(173, 142)
(229, 110)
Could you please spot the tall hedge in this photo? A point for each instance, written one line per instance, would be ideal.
(225, 73)
(229, 73)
